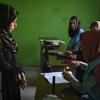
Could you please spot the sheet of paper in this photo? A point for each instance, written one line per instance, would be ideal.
(58, 77)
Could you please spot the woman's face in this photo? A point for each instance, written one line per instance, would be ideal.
(12, 25)
(73, 24)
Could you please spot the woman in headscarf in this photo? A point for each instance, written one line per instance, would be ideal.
(13, 75)
(95, 25)
(74, 33)
(90, 43)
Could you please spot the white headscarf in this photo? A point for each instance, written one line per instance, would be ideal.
(98, 22)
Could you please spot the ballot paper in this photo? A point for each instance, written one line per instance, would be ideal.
(56, 42)
(58, 77)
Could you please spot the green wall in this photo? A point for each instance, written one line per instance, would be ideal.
(48, 18)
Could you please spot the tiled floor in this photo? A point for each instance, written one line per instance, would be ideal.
(29, 92)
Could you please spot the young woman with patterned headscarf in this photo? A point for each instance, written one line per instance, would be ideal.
(74, 32)
(13, 75)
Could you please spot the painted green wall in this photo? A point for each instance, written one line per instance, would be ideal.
(48, 18)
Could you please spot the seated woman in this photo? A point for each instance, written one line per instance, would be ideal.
(74, 32)
(90, 43)
(95, 25)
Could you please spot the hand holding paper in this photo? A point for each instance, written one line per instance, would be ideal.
(68, 75)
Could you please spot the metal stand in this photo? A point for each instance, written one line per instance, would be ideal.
(52, 96)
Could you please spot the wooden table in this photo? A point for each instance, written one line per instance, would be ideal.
(63, 91)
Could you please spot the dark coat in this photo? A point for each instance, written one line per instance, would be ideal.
(10, 70)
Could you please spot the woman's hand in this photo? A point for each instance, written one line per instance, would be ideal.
(72, 65)
(67, 75)
(23, 80)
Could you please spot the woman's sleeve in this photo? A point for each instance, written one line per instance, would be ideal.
(3, 64)
(18, 68)
(70, 45)
(97, 78)
(97, 74)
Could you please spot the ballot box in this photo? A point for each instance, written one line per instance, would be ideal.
(63, 91)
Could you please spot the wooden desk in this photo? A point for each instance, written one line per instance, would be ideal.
(43, 88)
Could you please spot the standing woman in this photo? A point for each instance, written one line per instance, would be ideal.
(12, 74)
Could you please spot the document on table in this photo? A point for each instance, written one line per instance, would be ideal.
(58, 77)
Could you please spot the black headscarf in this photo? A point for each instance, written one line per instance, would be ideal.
(73, 33)
(7, 15)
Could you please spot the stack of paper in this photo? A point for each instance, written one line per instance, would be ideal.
(58, 77)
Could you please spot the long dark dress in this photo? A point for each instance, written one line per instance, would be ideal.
(8, 48)
(10, 70)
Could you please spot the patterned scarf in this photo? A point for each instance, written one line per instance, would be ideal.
(7, 15)
(9, 41)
